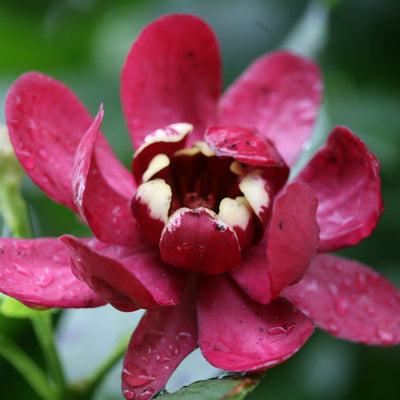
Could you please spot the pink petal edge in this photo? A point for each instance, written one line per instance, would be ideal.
(238, 334)
(344, 176)
(38, 272)
(349, 300)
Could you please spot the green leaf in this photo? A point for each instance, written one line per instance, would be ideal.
(235, 387)
(12, 308)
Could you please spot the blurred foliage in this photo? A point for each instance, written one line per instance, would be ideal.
(84, 42)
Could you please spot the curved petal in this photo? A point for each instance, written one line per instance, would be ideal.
(349, 300)
(237, 334)
(249, 148)
(278, 95)
(252, 275)
(293, 236)
(46, 122)
(199, 241)
(344, 176)
(38, 272)
(163, 338)
(106, 211)
(127, 277)
(172, 74)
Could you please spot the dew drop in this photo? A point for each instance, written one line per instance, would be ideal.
(384, 336)
(129, 394)
(46, 279)
(135, 376)
(22, 270)
(146, 394)
(183, 335)
(361, 282)
(286, 328)
(43, 154)
(342, 307)
(28, 161)
(332, 327)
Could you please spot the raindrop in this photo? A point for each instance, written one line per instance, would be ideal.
(146, 394)
(28, 161)
(174, 349)
(22, 270)
(43, 154)
(32, 129)
(286, 328)
(135, 376)
(45, 279)
(342, 307)
(332, 327)
(129, 394)
(183, 335)
(385, 336)
(361, 282)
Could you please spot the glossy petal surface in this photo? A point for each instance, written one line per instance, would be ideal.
(278, 95)
(38, 272)
(293, 236)
(172, 74)
(46, 121)
(164, 337)
(349, 300)
(106, 210)
(128, 277)
(197, 240)
(344, 176)
(238, 334)
(249, 148)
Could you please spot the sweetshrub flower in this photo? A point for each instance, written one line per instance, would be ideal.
(205, 232)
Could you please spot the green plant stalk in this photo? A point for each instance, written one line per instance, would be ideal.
(27, 368)
(42, 324)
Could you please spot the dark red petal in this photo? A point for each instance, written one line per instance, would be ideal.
(163, 338)
(38, 272)
(106, 210)
(344, 176)
(349, 300)
(278, 95)
(46, 121)
(238, 334)
(293, 236)
(252, 274)
(198, 240)
(247, 147)
(127, 277)
(163, 141)
(172, 74)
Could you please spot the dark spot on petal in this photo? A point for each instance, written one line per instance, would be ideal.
(232, 146)
(219, 227)
(19, 252)
(190, 54)
(248, 143)
(280, 224)
(257, 314)
(240, 321)
(225, 140)
(261, 329)
(2, 250)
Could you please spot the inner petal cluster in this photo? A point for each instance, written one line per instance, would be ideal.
(201, 208)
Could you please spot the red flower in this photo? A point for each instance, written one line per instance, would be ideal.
(204, 235)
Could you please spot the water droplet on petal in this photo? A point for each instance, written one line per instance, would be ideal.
(342, 307)
(28, 162)
(361, 282)
(146, 394)
(22, 270)
(332, 327)
(135, 376)
(385, 336)
(129, 394)
(43, 154)
(46, 278)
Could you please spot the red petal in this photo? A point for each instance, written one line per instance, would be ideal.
(349, 300)
(172, 74)
(344, 175)
(278, 95)
(237, 334)
(46, 122)
(293, 236)
(248, 148)
(252, 274)
(163, 141)
(128, 277)
(38, 272)
(164, 337)
(197, 240)
(106, 210)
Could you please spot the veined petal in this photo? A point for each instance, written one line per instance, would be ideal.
(46, 121)
(349, 300)
(127, 277)
(278, 95)
(344, 176)
(172, 74)
(163, 338)
(238, 334)
(106, 210)
(247, 147)
(38, 272)
(199, 241)
(293, 236)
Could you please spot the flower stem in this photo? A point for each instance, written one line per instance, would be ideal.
(27, 368)
(42, 324)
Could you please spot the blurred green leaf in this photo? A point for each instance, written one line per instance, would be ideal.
(12, 308)
(229, 388)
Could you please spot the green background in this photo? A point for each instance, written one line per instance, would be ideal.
(84, 43)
